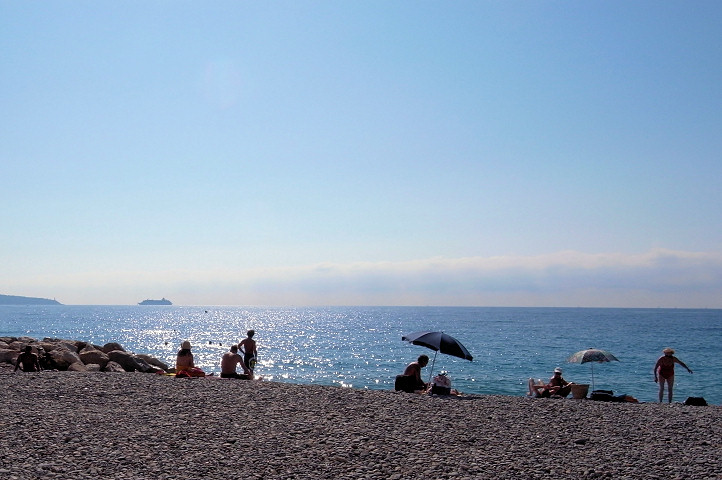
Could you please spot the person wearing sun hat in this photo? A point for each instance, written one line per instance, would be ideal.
(556, 386)
(664, 372)
(184, 362)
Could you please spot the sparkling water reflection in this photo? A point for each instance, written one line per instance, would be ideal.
(361, 347)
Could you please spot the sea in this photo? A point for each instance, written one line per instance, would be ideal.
(361, 347)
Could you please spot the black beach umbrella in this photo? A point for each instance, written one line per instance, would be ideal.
(439, 342)
(593, 355)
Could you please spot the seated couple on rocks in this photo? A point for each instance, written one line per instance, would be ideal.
(556, 386)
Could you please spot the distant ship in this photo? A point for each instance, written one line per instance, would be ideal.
(162, 301)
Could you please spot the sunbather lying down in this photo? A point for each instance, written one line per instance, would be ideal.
(536, 387)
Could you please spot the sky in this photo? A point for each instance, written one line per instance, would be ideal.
(467, 153)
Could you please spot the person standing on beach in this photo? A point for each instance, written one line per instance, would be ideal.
(248, 347)
(664, 372)
(229, 360)
(29, 361)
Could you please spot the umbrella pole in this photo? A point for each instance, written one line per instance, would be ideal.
(592, 376)
(431, 372)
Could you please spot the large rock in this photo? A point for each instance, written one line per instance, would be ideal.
(90, 355)
(61, 358)
(69, 345)
(17, 345)
(109, 347)
(129, 362)
(151, 360)
(54, 343)
(8, 355)
(113, 367)
(47, 346)
(77, 367)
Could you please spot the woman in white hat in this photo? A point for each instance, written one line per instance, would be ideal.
(664, 372)
(184, 362)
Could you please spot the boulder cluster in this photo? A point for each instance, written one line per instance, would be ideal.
(79, 356)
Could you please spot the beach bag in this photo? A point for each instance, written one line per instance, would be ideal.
(441, 385)
(438, 390)
(405, 383)
(696, 401)
(603, 395)
(442, 381)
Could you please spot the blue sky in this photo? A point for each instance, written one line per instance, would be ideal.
(362, 153)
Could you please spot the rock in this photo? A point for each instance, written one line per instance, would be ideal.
(151, 360)
(47, 346)
(77, 367)
(129, 362)
(61, 358)
(109, 347)
(17, 345)
(93, 367)
(8, 355)
(91, 355)
(67, 345)
(113, 367)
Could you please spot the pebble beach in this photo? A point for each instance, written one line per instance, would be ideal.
(78, 425)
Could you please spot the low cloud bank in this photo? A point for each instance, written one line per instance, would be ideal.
(659, 278)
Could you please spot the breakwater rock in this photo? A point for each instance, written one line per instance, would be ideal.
(79, 356)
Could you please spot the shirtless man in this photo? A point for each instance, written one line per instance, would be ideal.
(248, 347)
(413, 369)
(557, 386)
(229, 360)
(29, 361)
(664, 372)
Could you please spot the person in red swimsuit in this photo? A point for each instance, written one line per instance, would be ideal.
(664, 372)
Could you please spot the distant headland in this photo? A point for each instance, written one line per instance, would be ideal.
(17, 300)
(162, 301)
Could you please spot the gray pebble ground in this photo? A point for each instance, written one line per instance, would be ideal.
(66, 425)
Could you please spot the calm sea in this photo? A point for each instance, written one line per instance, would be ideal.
(361, 347)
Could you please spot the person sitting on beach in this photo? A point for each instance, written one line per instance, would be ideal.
(410, 381)
(248, 347)
(557, 385)
(184, 365)
(664, 372)
(29, 361)
(229, 360)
